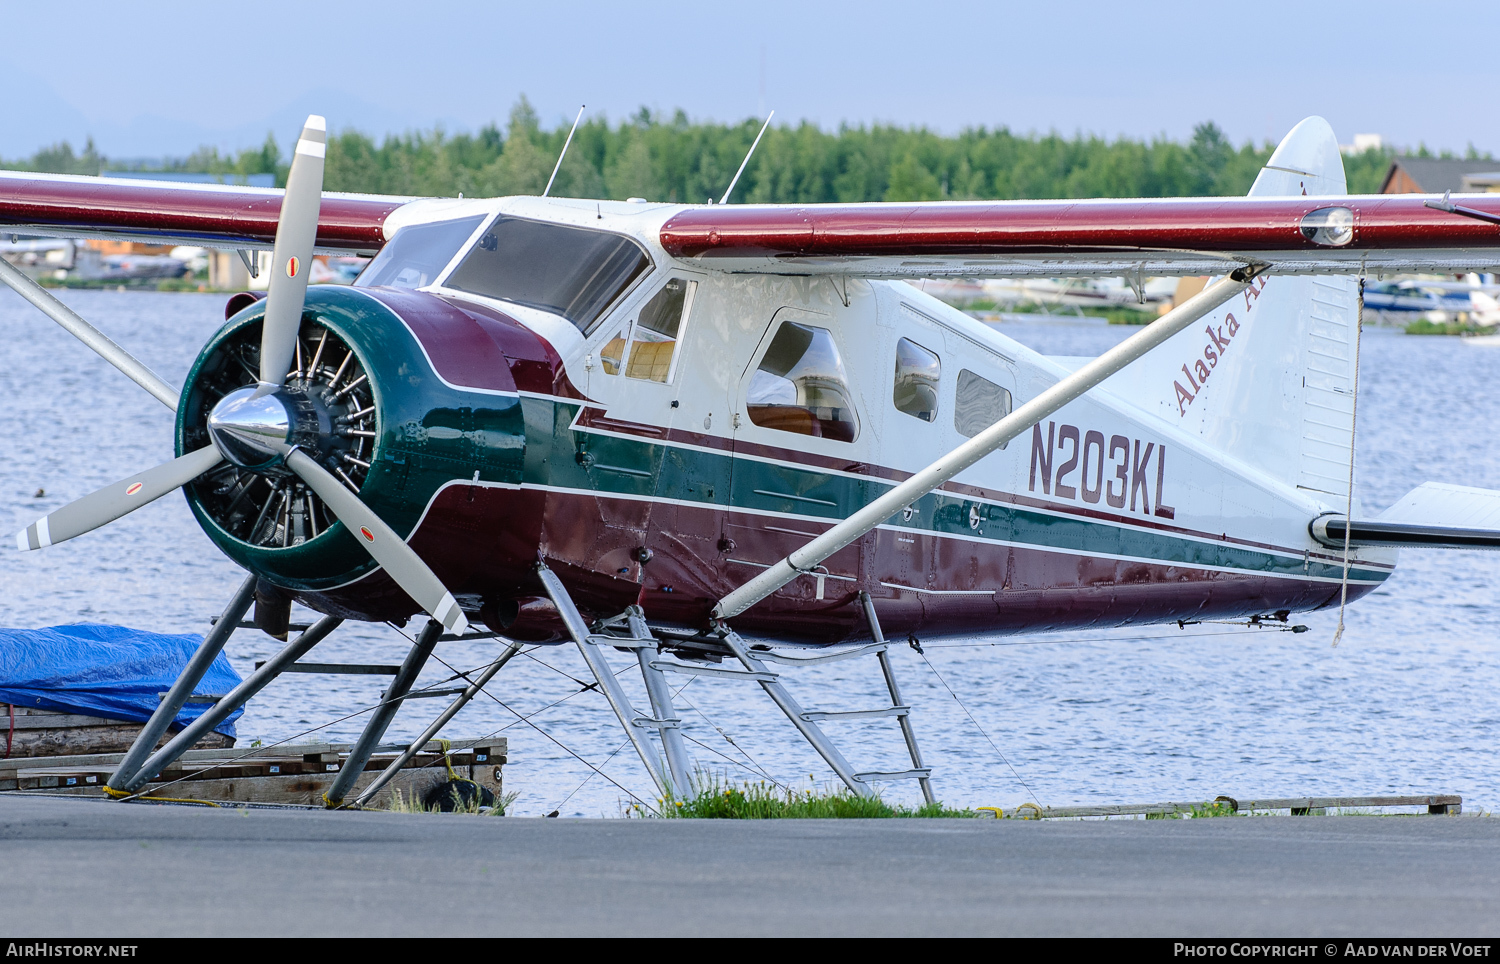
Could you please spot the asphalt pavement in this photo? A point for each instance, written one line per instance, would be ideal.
(75, 867)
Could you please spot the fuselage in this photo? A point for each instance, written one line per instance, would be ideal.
(656, 431)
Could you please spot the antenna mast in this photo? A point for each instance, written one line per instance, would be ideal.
(748, 155)
(564, 153)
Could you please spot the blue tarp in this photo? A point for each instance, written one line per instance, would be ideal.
(107, 671)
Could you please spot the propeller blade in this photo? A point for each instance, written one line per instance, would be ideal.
(116, 499)
(381, 542)
(296, 232)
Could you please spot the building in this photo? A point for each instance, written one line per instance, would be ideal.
(187, 177)
(1434, 175)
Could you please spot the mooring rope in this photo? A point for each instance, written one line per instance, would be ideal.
(1359, 328)
(754, 766)
(981, 729)
(560, 744)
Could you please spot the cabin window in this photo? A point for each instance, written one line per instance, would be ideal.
(418, 254)
(801, 387)
(612, 354)
(917, 374)
(653, 342)
(978, 404)
(573, 272)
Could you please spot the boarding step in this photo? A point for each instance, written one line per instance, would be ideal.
(883, 711)
(429, 694)
(622, 642)
(339, 669)
(669, 724)
(865, 649)
(690, 669)
(921, 773)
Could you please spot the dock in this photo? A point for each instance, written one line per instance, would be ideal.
(1435, 804)
(288, 775)
(32, 732)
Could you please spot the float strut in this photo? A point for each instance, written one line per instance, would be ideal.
(432, 730)
(600, 668)
(201, 660)
(784, 701)
(359, 754)
(890, 683)
(660, 694)
(232, 701)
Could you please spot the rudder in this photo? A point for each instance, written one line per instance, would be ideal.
(1269, 379)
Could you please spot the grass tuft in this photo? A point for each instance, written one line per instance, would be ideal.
(717, 799)
(1215, 809)
(400, 803)
(1424, 327)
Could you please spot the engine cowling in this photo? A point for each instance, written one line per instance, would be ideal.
(374, 397)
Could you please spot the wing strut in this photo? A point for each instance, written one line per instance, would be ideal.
(1086, 378)
(89, 335)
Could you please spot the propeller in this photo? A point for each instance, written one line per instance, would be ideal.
(296, 232)
(117, 499)
(257, 428)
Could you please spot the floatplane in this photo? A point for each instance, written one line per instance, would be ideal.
(669, 430)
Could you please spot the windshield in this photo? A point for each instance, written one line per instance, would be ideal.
(573, 272)
(418, 254)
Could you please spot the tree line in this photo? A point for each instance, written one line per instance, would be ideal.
(673, 159)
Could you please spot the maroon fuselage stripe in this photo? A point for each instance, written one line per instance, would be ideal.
(484, 542)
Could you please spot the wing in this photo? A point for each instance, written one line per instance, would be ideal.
(167, 213)
(1152, 237)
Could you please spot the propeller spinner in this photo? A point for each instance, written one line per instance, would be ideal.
(277, 431)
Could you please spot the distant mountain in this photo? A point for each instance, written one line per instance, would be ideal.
(35, 116)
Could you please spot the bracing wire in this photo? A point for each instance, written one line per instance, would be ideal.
(754, 766)
(982, 732)
(564, 747)
(1359, 327)
(611, 756)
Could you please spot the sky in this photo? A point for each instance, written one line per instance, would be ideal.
(160, 79)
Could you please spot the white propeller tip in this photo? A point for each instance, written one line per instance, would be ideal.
(39, 532)
(316, 122)
(450, 615)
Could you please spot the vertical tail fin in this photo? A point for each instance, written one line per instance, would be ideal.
(1269, 379)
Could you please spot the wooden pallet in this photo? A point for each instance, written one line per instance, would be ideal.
(46, 733)
(280, 775)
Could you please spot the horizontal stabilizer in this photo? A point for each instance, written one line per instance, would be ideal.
(1433, 515)
(1440, 504)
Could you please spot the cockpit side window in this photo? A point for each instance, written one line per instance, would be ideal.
(918, 372)
(800, 386)
(654, 340)
(418, 254)
(612, 352)
(574, 272)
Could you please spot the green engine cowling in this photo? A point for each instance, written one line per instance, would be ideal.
(376, 412)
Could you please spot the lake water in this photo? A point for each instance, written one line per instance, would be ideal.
(1407, 703)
